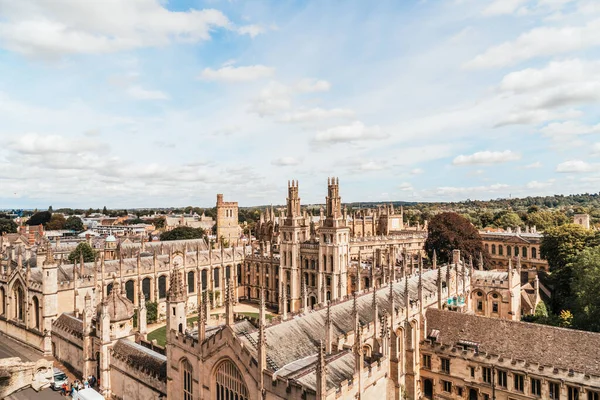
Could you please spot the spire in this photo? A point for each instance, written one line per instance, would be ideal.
(262, 341)
(328, 329)
(439, 287)
(434, 260)
(304, 296)
(392, 304)
(480, 266)
(202, 318)
(321, 373)
(176, 287)
(375, 314)
(229, 303)
(355, 315)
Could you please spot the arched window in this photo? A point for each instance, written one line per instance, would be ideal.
(129, 288)
(508, 251)
(162, 287)
(188, 392)
(228, 272)
(239, 274)
(19, 297)
(524, 253)
(204, 276)
(516, 251)
(500, 249)
(216, 277)
(36, 313)
(493, 249)
(109, 288)
(487, 247)
(533, 252)
(191, 282)
(146, 288)
(230, 384)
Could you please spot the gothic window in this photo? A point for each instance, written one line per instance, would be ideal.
(188, 391)
(109, 288)
(230, 384)
(216, 277)
(129, 287)
(533, 252)
(524, 253)
(19, 302)
(312, 279)
(146, 288)
(572, 393)
(191, 282)
(331, 262)
(493, 249)
(228, 272)
(36, 313)
(554, 390)
(500, 249)
(239, 274)
(162, 287)
(204, 276)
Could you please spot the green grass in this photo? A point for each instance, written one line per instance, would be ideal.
(160, 334)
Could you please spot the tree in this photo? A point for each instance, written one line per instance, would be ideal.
(57, 222)
(7, 225)
(585, 287)
(449, 231)
(104, 211)
(88, 253)
(559, 246)
(39, 218)
(183, 233)
(74, 223)
(151, 312)
(546, 219)
(508, 220)
(540, 310)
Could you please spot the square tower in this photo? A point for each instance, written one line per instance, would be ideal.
(228, 227)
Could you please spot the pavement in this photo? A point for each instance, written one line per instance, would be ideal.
(12, 348)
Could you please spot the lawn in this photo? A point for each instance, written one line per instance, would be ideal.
(160, 334)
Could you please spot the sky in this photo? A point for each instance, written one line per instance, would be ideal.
(154, 103)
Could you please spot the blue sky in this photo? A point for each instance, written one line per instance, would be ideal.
(140, 103)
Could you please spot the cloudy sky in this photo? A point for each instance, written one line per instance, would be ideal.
(138, 103)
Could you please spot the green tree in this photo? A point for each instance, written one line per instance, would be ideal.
(449, 231)
(183, 233)
(7, 225)
(540, 310)
(88, 253)
(57, 222)
(74, 223)
(39, 218)
(104, 211)
(508, 220)
(151, 312)
(585, 287)
(546, 219)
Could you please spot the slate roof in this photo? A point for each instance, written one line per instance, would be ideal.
(299, 337)
(535, 343)
(70, 324)
(340, 367)
(141, 358)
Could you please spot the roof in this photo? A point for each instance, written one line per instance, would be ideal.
(118, 306)
(535, 343)
(70, 324)
(141, 358)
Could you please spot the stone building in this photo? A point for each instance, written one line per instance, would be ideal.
(329, 258)
(503, 246)
(228, 226)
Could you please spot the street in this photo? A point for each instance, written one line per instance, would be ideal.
(11, 348)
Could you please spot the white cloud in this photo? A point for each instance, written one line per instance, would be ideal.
(464, 191)
(405, 186)
(500, 7)
(138, 92)
(237, 74)
(251, 30)
(316, 114)
(539, 185)
(43, 28)
(566, 129)
(539, 42)
(416, 171)
(34, 143)
(312, 85)
(356, 131)
(534, 165)
(596, 149)
(273, 98)
(370, 166)
(286, 161)
(486, 157)
(575, 166)
(535, 116)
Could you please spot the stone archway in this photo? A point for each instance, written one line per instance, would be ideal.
(428, 388)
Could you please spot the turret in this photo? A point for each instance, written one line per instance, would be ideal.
(229, 320)
(142, 315)
(176, 303)
(328, 330)
(321, 374)
(262, 343)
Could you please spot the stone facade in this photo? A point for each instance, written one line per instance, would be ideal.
(228, 227)
(512, 245)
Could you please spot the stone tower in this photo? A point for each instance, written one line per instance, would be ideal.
(334, 249)
(50, 294)
(228, 227)
(176, 303)
(293, 231)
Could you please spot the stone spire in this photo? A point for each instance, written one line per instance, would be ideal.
(392, 307)
(375, 315)
(304, 295)
(480, 266)
(448, 270)
(328, 329)
(358, 272)
(176, 287)
(229, 320)
(202, 318)
(283, 295)
(355, 315)
(434, 259)
(142, 313)
(321, 374)
(262, 342)
(439, 287)
(406, 298)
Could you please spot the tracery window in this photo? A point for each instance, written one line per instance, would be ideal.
(188, 391)
(191, 281)
(162, 287)
(230, 383)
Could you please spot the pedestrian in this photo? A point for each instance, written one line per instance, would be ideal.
(86, 384)
(63, 389)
